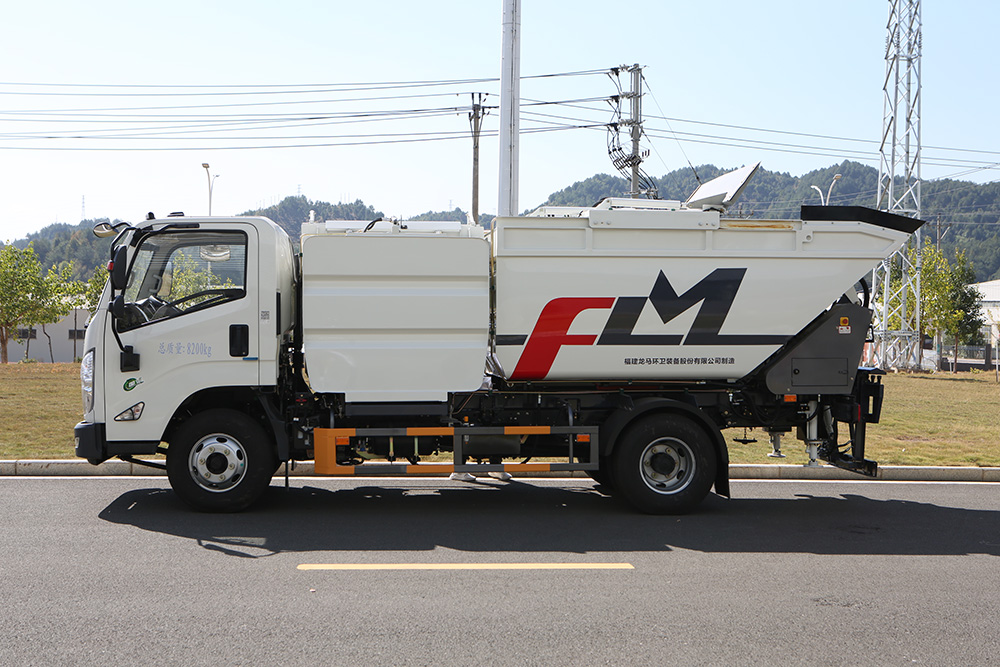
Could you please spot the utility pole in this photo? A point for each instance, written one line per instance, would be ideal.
(636, 121)
(629, 164)
(898, 341)
(476, 120)
(510, 101)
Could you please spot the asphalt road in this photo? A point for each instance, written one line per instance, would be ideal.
(116, 571)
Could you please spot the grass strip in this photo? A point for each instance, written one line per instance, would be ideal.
(942, 419)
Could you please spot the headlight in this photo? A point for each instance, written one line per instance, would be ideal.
(87, 381)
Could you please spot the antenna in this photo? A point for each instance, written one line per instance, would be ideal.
(721, 192)
(898, 341)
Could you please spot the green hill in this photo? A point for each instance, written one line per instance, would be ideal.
(59, 244)
(966, 216)
(291, 212)
(961, 215)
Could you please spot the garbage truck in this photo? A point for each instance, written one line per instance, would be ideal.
(618, 339)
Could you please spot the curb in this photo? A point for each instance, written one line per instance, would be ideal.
(77, 468)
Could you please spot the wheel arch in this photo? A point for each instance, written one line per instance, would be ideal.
(621, 419)
(247, 400)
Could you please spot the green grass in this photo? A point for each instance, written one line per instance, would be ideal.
(941, 419)
(39, 406)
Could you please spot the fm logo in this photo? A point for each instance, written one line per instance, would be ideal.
(715, 292)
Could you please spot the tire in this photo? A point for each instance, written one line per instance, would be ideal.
(603, 475)
(664, 464)
(220, 461)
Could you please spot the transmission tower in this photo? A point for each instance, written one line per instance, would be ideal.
(897, 279)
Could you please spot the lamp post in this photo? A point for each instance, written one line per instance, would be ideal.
(822, 202)
(826, 200)
(211, 182)
(836, 177)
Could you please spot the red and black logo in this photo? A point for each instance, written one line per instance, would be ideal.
(715, 292)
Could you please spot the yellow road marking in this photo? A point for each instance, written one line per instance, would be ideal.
(466, 566)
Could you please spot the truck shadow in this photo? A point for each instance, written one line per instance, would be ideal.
(578, 519)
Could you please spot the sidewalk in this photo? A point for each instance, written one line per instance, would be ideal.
(116, 468)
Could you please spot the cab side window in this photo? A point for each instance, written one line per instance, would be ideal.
(175, 273)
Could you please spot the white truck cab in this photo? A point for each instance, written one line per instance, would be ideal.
(203, 307)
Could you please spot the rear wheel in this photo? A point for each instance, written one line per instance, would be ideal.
(220, 461)
(664, 464)
(603, 475)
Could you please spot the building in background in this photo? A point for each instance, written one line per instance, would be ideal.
(67, 340)
(990, 291)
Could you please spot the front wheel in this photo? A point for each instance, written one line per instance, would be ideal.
(220, 461)
(664, 464)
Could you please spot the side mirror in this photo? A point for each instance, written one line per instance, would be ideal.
(103, 230)
(119, 266)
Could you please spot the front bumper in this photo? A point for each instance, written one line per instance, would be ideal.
(92, 444)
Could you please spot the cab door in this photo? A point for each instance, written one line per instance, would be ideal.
(190, 314)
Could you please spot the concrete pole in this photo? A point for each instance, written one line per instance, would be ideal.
(636, 125)
(510, 97)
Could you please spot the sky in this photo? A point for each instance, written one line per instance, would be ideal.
(109, 109)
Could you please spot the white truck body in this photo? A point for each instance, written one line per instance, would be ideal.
(395, 314)
(620, 337)
(751, 286)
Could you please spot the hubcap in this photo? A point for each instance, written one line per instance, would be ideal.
(667, 465)
(217, 462)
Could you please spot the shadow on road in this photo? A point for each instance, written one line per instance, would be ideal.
(520, 517)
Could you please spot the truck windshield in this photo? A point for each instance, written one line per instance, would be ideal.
(179, 272)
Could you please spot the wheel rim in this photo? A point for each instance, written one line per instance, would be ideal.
(217, 462)
(667, 465)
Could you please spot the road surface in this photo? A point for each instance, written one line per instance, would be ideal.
(116, 571)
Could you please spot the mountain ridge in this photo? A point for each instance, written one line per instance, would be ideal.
(960, 215)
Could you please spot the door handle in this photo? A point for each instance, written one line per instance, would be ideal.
(239, 340)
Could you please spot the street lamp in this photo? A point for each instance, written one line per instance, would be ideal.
(836, 177)
(822, 200)
(211, 182)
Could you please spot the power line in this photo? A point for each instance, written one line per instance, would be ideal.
(407, 137)
(159, 126)
(73, 112)
(257, 89)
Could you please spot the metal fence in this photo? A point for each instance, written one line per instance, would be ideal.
(976, 352)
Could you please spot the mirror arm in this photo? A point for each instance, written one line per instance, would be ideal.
(129, 361)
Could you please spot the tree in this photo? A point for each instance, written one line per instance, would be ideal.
(935, 289)
(20, 286)
(190, 276)
(949, 304)
(60, 244)
(968, 319)
(58, 296)
(95, 287)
